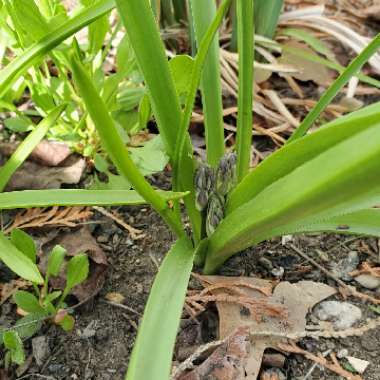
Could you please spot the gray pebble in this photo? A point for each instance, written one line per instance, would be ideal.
(368, 281)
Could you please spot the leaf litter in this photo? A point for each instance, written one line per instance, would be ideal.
(279, 315)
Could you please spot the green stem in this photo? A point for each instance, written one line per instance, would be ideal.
(116, 149)
(244, 11)
(350, 71)
(194, 83)
(203, 13)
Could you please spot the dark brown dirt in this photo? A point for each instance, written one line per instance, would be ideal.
(103, 337)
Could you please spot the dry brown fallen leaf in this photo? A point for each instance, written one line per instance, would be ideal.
(9, 288)
(307, 70)
(47, 152)
(227, 362)
(298, 298)
(32, 176)
(76, 242)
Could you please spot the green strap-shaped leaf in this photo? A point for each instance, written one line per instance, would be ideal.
(18, 262)
(340, 180)
(362, 222)
(20, 64)
(289, 157)
(145, 38)
(152, 354)
(26, 147)
(72, 197)
(203, 13)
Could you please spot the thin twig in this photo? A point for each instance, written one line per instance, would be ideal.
(121, 306)
(134, 232)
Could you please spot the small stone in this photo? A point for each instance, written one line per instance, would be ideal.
(265, 263)
(342, 353)
(89, 331)
(41, 349)
(278, 272)
(358, 364)
(343, 314)
(286, 239)
(368, 281)
(370, 342)
(347, 265)
(272, 374)
(102, 239)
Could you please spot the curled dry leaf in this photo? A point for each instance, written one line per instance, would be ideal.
(47, 152)
(227, 362)
(32, 176)
(297, 298)
(77, 242)
(9, 288)
(306, 70)
(52, 217)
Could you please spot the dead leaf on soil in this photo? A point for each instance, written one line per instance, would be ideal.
(115, 297)
(227, 362)
(47, 152)
(8, 289)
(52, 216)
(80, 241)
(307, 70)
(32, 176)
(297, 298)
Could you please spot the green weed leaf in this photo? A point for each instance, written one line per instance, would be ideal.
(76, 271)
(18, 262)
(24, 243)
(55, 261)
(27, 302)
(13, 343)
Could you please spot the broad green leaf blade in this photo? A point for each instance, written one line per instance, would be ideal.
(152, 354)
(76, 271)
(203, 13)
(289, 157)
(13, 343)
(73, 197)
(27, 302)
(26, 147)
(55, 261)
(340, 180)
(19, 65)
(24, 243)
(337, 85)
(18, 262)
(245, 96)
(29, 325)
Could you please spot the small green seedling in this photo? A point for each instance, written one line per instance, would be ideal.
(42, 303)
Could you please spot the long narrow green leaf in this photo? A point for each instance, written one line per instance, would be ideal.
(244, 11)
(115, 147)
(19, 65)
(145, 38)
(340, 180)
(26, 147)
(361, 222)
(337, 85)
(289, 157)
(194, 83)
(152, 354)
(203, 13)
(144, 35)
(73, 197)
(267, 14)
(18, 262)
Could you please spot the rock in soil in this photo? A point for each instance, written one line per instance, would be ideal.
(343, 314)
(368, 281)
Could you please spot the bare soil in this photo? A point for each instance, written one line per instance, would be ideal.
(103, 337)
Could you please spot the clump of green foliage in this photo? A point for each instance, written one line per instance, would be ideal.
(42, 303)
(316, 182)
